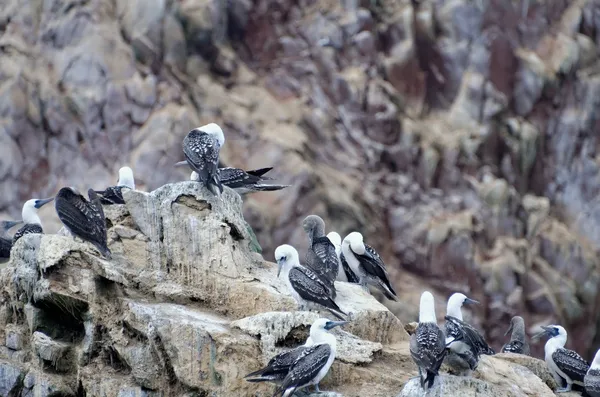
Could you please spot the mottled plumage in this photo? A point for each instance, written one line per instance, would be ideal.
(591, 380)
(277, 368)
(427, 345)
(366, 263)
(114, 194)
(84, 219)
(518, 340)
(308, 365)
(244, 182)
(460, 330)
(201, 147)
(307, 288)
(31, 220)
(320, 256)
(28, 228)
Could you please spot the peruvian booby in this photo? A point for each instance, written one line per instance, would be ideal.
(564, 364)
(320, 256)
(201, 147)
(344, 271)
(278, 367)
(591, 380)
(244, 182)
(114, 194)
(31, 219)
(366, 263)
(5, 240)
(465, 344)
(518, 340)
(307, 288)
(427, 345)
(84, 219)
(314, 362)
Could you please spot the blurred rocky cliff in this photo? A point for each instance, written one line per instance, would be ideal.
(459, 136)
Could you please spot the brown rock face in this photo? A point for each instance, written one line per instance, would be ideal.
(459, 137)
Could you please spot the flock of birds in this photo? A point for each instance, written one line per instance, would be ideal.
(312, 284)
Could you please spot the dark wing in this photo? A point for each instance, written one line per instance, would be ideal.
(5, 246)
(277, 367)
(470, 335)
(571, 363)
(453, 328)
(352, 278)
(307, 366)
(311, 288)
(515, 346)
(428, 347)
(325, 251)
(111, 195)
(236, 178)
(28, 228)
(84, 219)
(373, 265)
(201, 151)
(261, 172)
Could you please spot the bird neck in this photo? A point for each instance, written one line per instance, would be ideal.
(554, 343)
(454, 307)
(30, 216)
(518, 332)
(126, 180)
(427, 312)
(322, 336)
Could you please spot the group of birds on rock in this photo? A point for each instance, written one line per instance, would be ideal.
(312, 285)
(460, 345)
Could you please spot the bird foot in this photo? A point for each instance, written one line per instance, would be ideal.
(564, 389)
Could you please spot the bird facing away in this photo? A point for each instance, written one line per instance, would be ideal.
(5, 239)
(518, 340)
(201, 147)
(344, 271)
(306, 287)
(591, 380)
(278, 367)
(564, 364)
(427, 345)
(463, 341)
(31, 219)
(314, 362)
(320, 256)
(366, 263)
(114, 194)
(84, 219)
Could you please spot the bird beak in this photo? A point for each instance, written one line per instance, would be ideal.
(470, 301)
(509, 330)
(42, 202)
(180, 163)
(10, 224)
(279, 266)
(546, 331)
(333, 324)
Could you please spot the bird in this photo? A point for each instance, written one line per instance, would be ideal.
(31, 219)
(465, 344)
(366, 263)
(114, 194)
(278, 366)
(320, 256)
(314, 362)
(84, 219)
(201, 147)
(427, 345)
(344, 271)
(244, 182)
(307, 288)
(5, 239)
(518, 340)
(563, 363)
(591, 380)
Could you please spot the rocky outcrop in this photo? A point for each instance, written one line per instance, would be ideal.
(185, 307)
(458, 136)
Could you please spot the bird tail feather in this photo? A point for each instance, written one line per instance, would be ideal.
(430, 378)
(269, 188)
(260, 172)
(260, 372)
(389, 293)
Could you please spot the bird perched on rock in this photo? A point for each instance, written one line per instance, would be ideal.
(518, 340)
(465, 343)
(244, 182)
(427, 345)
(201, 147)
(320, 257)
(278, 367)
(591, 380)
(114, 194)
(84, 219)
(33, 223)
(564, 364)
(5, 239)
(366, 263)
(307, 288)
(344, 271)
(314, 361)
